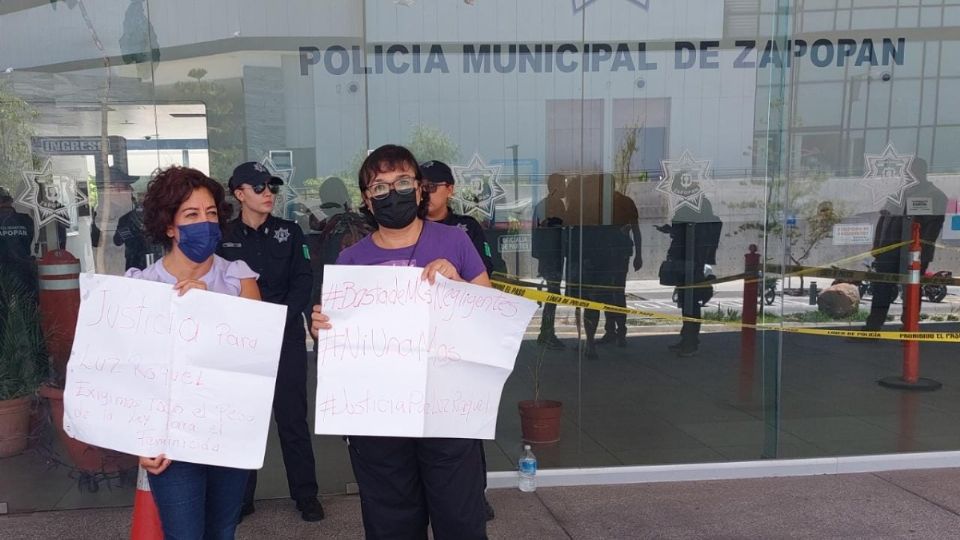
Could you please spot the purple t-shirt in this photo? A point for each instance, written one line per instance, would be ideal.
(223, 277)
(436, 242)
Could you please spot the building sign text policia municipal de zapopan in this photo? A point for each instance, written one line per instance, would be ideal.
(595, 57)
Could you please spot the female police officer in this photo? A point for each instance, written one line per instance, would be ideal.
(275, 249)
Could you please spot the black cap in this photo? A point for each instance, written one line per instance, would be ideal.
(252, 173)
(437, 172)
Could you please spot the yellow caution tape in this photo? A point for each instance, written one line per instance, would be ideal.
(563, 300)
(809, 270)
(941, 337)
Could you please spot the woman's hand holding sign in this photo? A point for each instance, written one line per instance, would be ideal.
(318, 321)
(155, 465)
(443, 267)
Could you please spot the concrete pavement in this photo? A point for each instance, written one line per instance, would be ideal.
(900, 504)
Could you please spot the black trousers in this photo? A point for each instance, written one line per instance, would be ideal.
(549, 316)
(588, 283)
(290, 414)
(616, 294)
(689, 330)
(406, 484)
(884, 294)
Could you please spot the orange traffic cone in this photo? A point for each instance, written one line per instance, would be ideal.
(146, 519)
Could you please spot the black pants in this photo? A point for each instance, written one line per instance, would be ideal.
(885, 293)
(549, 316)
(616, 323)
(588, 283)
(406, 484)
(290, 414)
(689, 331)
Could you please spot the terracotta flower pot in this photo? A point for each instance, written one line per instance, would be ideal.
(540, 421)
(14, 425)
(86, 457)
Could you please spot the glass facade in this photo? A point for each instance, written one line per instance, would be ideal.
(695, 161)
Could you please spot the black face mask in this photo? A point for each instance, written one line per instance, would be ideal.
(396, 210)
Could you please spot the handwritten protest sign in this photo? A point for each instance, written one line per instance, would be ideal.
(190, 377)
(406, 358)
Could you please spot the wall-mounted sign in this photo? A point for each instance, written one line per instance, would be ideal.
(514, 243)
(853, 234)
(919, 206)
(85, 146)
(400, 58)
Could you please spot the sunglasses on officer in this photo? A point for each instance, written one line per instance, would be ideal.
(431, 187)
(259, 188)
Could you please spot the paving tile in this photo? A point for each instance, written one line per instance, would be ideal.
(521, 516)
(939, 486)
(279, 519)
(849, 506)
(902, 504)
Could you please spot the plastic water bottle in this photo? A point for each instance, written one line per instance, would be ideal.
(528, 470)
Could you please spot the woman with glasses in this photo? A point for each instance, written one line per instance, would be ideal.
(181, 211)
(405, 482)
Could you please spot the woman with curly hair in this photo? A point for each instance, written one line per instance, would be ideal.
(182, 211)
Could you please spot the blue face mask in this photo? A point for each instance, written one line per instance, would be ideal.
(198, 241)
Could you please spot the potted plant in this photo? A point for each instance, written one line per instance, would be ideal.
(23, 362)
(539, 418)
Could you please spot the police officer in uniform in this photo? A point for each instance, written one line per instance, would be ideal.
(275, 249)
(438, 181)
(16, 241)
(131, 235)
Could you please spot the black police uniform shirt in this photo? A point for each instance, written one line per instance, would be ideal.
(131, 235)
(16, 234)
(473, 229)
(277, 251)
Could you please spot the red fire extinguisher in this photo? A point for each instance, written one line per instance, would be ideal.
(59, 296)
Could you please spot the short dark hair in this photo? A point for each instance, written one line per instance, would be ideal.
(391, 157)
(169, 189)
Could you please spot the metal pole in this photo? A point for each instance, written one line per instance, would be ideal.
(748, 333)
(910, 378)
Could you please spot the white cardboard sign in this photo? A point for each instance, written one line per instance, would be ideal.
(408, 359)
(191, 376)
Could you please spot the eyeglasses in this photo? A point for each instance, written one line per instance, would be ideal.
(403, 186)
(431, 187)
(258, 189)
